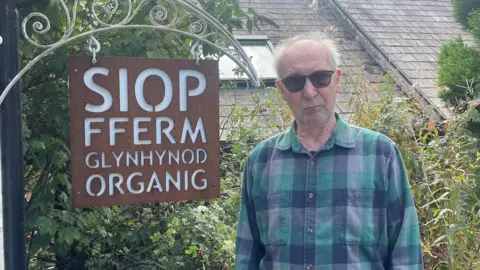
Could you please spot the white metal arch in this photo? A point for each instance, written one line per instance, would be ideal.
(205, 29)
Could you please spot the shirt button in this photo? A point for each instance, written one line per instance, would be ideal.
(310, 195)
(312, 163)
(309, 266)
(310, 230)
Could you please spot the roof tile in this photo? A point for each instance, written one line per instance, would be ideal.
(410, 32)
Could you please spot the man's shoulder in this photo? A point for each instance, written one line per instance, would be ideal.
(381, 142)
(267, 144)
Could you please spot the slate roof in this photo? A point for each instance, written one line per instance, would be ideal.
(404, 35)
(295, 16)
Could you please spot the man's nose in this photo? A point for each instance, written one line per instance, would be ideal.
(309, 91)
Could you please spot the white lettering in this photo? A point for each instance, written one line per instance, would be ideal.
(149, 157)
(157, 185)
(113, 185)
(139, 84)
(169, 179)
(176, 158)
(113, 129)
(192, 156)
(107, 97)
(194, 182)
(187, 128)
(166, 131)
(123, 81)
(160, 157)
(89, 130)
(117, 158)
(96, 161)
(204, 156)
(137, 130)
(140, 183)
(89, 185)
(104, 161)
(130, 158)
(202, 83)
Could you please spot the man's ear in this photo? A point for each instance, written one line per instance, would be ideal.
(280, 89)
(338, 79)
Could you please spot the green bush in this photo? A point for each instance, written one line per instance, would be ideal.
(474, 22)
(459, 71)
(462, 9)
(459, 64)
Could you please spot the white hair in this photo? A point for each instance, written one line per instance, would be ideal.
(319, 37)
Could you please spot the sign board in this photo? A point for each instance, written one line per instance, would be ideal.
(143, 130)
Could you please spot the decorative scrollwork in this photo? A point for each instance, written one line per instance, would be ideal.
(111, 9)
(221, 42)
(165, 14)
(39, 28)
(195, 23)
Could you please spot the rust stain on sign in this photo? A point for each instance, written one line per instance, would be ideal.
(143, 130)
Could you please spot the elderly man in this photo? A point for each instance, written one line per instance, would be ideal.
(324, 194)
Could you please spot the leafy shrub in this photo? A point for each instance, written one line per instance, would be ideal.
(474, 22)
(459, 71)
(459, 64)
(462, 9)
(459, 75)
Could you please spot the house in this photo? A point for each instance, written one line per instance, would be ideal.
(373, 36)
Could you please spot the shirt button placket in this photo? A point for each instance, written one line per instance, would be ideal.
(310, 215)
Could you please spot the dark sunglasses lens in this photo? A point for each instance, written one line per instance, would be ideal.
(321, 78)
(295, 83)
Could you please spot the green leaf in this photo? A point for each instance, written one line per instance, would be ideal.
(66, 236)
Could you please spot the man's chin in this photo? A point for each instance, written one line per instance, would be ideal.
(316, 121)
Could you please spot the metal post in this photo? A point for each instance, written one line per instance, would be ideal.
(11, 171)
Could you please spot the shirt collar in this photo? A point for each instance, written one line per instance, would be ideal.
(341, 136)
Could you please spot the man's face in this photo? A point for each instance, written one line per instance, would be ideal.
(312, 105)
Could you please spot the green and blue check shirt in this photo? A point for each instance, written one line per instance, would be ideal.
(347, 206)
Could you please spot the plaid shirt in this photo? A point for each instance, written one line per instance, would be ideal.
(347, 206)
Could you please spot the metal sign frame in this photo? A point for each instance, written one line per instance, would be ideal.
(205, 30)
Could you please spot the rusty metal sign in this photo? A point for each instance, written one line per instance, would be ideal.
(143, 130)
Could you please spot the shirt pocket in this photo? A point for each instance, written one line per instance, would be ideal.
(358, 216)
(273, 212)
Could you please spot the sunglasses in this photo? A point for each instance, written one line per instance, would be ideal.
(319, 79)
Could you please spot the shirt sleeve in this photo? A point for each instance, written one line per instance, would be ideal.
(404, 242)
(249, 250)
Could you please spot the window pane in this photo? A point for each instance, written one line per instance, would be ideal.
(261, 57)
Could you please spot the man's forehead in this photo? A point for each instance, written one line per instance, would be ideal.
(305, 54)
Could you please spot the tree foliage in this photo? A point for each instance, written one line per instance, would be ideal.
(462, 9)
(459, 63)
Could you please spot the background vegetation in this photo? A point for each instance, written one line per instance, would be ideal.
(442, 162)
(459, 64)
